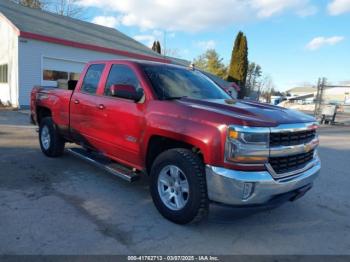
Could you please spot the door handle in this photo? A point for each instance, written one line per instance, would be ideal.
(76, 101)
(101, 106)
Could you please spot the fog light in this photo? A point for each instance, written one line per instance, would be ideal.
(247, 190)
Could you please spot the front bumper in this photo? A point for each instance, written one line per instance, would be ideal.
(243, 188)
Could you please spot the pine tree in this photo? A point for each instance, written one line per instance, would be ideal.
(239, 63)
(154, 46)
(158, 48)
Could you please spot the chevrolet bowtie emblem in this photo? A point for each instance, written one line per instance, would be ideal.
(307, 148)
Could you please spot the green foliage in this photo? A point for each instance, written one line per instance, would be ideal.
(239, 63)
(211, 62)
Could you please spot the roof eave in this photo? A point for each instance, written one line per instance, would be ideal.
(14, 27)
(96, 48)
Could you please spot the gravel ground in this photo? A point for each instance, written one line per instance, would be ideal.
(66, 206)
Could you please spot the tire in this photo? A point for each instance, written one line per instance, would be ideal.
(194, 205)
(51, 142)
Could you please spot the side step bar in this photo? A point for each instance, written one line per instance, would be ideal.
(105, 164)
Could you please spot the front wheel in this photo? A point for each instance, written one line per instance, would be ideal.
(51, 142)
(178, 186)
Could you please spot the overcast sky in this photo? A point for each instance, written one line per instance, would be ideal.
(295, 41)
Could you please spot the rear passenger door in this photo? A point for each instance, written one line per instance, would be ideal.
(84, 112)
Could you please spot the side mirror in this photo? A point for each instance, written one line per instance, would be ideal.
(126, 91)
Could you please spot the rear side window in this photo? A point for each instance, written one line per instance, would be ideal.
(121, 75)
(92, 78)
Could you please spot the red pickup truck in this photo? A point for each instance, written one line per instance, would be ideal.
(173, 123)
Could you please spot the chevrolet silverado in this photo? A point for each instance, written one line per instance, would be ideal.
(173, 123)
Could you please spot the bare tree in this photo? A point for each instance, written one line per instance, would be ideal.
(30, 3)
(266, 88)
(175, 52)
(64, 7)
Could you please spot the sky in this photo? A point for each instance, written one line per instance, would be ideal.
(294, 41)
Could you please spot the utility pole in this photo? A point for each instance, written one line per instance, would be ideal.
(319, 96)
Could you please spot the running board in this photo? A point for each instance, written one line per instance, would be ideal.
(105, 164)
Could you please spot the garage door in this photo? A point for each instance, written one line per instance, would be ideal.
(56, 72)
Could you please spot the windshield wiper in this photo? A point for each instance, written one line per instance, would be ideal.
(173, 97)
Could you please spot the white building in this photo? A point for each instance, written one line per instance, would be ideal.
(331, 94)
(39, 48)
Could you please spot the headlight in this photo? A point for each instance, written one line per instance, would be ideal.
(247, 145)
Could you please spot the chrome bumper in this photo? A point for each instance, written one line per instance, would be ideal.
(242, 188)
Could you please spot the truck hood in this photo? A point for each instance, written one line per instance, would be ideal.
(249, 112)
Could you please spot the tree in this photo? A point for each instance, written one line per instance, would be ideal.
(239, 63)
(156, 47)
(211, 62)
(267, 88)
(174, 52)
(62, 7)
(30, 3)
(254, 74)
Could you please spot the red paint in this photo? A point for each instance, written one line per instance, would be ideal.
(122, 129)
(91, 47)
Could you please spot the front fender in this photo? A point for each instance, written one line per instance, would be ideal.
(208, 138)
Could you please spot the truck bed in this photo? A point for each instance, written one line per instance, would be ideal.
(54, 98)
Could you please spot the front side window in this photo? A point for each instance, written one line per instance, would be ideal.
(3, 73)
(121, 75)
(173, 82)
(92, 78)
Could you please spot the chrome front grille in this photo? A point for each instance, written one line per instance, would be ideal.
(292, 163)
(291, 138)
(292, 149)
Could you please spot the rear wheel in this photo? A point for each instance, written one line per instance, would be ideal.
(51, 142)
(178, 186)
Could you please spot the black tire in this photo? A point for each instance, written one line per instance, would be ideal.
(55, 147)
(191, 165)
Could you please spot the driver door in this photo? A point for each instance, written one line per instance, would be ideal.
(121, 121)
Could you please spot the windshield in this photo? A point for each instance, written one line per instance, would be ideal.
(175, 82)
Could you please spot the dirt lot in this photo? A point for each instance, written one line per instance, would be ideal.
(66, 206)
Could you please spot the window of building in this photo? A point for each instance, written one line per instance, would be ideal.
(74, 76)
(121, 75)
(60, 77)
(3, 73)
(53, 75)
(92, 78)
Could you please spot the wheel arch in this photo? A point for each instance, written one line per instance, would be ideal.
(158, 144)
(42, 112)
